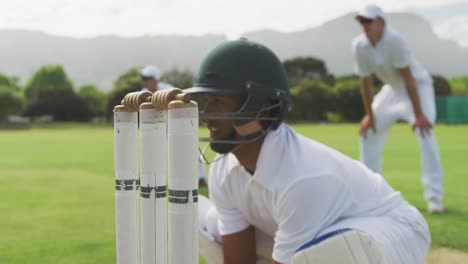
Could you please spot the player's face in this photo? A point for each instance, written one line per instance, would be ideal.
(149, 83)
(220, 128)
(371, 27)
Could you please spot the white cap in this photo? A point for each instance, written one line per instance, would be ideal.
(150, 71)
(371, 12)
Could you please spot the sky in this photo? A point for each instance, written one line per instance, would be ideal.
(130, 18)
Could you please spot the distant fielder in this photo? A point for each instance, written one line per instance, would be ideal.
(279, 197)
(150, 79)
(407, 95)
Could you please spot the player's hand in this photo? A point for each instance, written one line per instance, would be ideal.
(422, 125)
(367, 122)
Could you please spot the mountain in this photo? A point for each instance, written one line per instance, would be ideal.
(100, 60)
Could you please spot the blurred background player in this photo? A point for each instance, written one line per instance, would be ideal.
(407, 95)
(150, 81)
(150, 76)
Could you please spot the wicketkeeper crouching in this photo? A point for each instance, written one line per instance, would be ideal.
(279, 197)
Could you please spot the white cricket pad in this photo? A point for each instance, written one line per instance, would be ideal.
(347, 247)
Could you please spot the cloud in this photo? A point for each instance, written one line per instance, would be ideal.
(441, 13)
(449, 21)
(454, 28)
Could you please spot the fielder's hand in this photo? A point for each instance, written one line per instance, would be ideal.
(422, 124)
(367, 122)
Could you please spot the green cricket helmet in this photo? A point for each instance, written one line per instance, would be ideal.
(248, 69)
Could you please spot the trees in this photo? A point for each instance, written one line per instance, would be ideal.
(63, 105)
(307, 68)
(4, 80)
(126, 83)
(9, 82)
(311, 92)
(178, 78)
(311, 100)
(459, 86)
(348, 102)
(95, 99)
(50, 92)
(316, 95)
(441, 86)
(11, 102)
(47, 77)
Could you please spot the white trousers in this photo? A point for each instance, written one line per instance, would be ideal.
(390, 105)
(402, 235)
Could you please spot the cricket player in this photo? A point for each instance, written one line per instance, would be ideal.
(279, 197)
(150, 80)
(407, 95)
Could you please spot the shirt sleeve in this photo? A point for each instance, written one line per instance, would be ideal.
(401, 54)
(308, 206)
(361, 65)
(230, 219)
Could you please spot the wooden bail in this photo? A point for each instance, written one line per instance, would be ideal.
(132, 101)
(161, 99)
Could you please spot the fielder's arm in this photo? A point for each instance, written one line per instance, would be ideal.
(411, 87)
(421, 121)
(367, 122)
(367, 94)
(240, 247)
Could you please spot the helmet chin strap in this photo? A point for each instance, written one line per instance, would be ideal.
(230, 143)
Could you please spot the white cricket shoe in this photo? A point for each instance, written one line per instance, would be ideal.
(435, 206)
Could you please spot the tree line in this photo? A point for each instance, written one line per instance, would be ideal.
(317, 95)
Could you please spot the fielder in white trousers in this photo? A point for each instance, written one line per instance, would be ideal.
(390, 105)
(382, 50)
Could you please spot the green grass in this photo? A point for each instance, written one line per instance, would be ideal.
(57, 188)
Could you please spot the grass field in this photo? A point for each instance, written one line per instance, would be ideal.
(57, 188)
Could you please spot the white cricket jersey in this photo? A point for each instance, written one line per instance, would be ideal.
(299, 188)
(383, 59)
